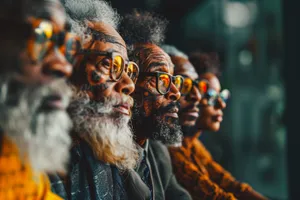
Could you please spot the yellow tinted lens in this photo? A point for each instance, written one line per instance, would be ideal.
(117, 68)
(45, 28)
(42, 40)
(163, 83)
(203, 86)
(178, 82)
(132, 71)
(187, 86)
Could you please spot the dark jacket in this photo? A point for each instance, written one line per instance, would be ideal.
(165, 185)
(89, 178)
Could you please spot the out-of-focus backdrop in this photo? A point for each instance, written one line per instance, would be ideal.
(248, 36)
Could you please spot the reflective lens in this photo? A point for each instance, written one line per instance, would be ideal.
(163, 85)
(133, 71)
(212, 96)
(178, 80)
(71, 46)
(186, 86)
(225, 94)
(117, 67)
(41, 41)
(203, 86)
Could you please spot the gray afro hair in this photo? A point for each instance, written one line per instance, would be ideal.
(79, 11)
(173, 51)
(143, 28)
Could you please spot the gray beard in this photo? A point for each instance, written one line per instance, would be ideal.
(156, 128)
(42, 137)
(106, 131)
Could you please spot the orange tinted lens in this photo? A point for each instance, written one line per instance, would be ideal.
(117, 67)
(178, 82)
(203, 86)
(163, 83)
(187, 86)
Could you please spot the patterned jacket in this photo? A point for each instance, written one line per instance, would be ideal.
(203, 177)
(89, 178)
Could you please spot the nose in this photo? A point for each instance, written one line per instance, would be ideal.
(195, 95)
(56, 65)
(173, 94)
(125, 85)
(221, 104)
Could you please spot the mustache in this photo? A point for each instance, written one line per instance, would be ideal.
(170, 107)
(189, 107)
(92, 107)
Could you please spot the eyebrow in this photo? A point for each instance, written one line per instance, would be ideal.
(106, 38)
(156, 64)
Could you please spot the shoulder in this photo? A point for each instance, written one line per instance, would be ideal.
(159, 149)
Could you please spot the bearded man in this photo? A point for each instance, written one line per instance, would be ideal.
(102, 81)
(34, 96)
(155, 110)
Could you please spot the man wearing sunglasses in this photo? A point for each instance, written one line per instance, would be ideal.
(102, 81)
(193, 164)
(155, 111)
(34, 123)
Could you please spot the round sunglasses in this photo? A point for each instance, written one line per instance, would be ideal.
(44, 38)
(213, 96)
(188, 83)
(164, 81)
(116, 63)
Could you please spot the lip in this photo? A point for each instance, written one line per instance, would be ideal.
(218, 118)
(172, 113)
(52, 102)
(123, 108)
(193, 113)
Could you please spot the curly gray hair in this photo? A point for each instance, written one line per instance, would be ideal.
(173, 51)
(81, 11)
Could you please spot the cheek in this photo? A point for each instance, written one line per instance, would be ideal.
(206, 114)
(152, 104)
(183, 102)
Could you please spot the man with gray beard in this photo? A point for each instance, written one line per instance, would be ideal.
(33, 96)
(103, 152)
(155, 116)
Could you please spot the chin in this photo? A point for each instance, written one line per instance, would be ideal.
(188, 123)
(214, 127)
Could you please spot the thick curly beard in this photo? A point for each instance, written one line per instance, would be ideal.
(41, 136)
(166, 130)
(106, 131)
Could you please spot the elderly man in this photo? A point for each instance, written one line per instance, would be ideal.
(102, 81)
(155, 111)
(34, 96)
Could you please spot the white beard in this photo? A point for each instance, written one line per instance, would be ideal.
(42, 137)
(108, 133)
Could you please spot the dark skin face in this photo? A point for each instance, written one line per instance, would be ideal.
(96, 80)
(189, 111)
(154, 59)
(211, 116)
(43, 72)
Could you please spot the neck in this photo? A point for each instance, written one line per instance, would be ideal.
(140, 140)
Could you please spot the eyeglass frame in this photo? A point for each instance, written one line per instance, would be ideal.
(194, 83)
(86, 52)
(217, 96)
(157, 74)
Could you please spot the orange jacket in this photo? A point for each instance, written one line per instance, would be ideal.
(17, 180)
(203, 177)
